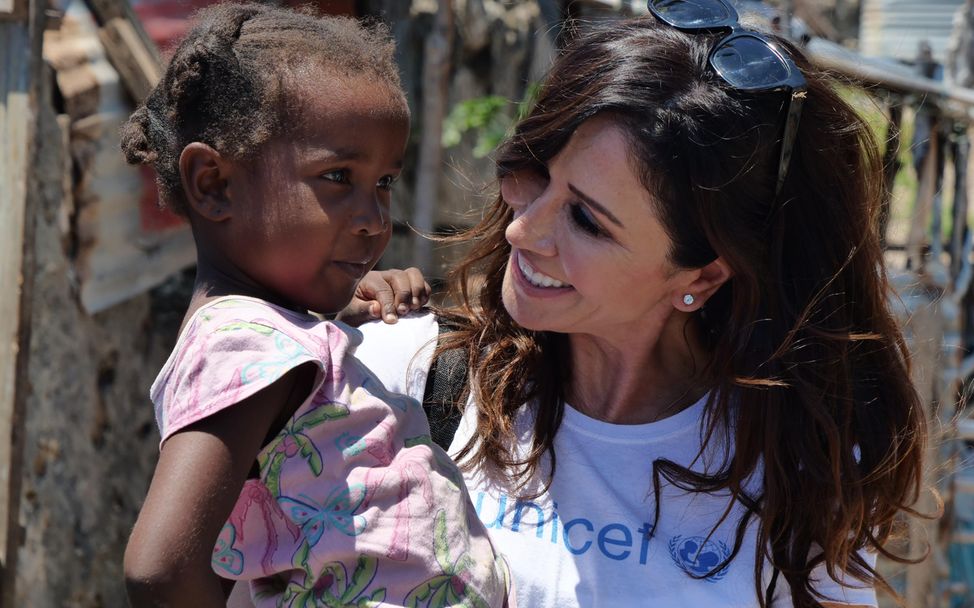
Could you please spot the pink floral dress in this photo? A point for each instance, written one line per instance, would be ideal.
(354, 504)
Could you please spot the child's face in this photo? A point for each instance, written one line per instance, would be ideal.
(312, 215)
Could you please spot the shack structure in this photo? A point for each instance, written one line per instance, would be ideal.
(94, 278)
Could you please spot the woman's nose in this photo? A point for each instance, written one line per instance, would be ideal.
(533, 227)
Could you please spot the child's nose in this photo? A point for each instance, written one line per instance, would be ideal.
(371, 218)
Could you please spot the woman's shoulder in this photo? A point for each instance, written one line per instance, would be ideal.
(416, 327)
(400, 355)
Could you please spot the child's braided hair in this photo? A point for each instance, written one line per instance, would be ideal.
(228, 83)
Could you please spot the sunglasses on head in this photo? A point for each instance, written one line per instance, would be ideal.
(744, 59)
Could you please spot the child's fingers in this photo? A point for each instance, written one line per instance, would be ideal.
(374, 298)
(359, 311)
(401, 283)
(394, 292)
(419, 289)
(383, 295)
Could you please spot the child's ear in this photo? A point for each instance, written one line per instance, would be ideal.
(204, 173)
(706, 281)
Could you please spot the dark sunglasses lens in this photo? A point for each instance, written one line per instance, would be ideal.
(749, 63)
(691, 13)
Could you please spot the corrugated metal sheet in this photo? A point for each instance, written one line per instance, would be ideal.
(895, 28)
(125, 244)
(611, 9)
(118, 256)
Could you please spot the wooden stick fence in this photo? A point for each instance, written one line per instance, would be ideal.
(934, 289)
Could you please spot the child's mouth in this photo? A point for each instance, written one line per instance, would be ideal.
(354, 269)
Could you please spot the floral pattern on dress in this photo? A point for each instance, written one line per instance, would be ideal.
(353, 504)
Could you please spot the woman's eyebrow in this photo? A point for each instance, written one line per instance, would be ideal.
(591, 202)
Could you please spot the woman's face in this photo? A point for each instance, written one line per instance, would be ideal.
(588, 255)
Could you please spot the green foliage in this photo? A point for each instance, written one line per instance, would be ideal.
(485, 116)
(489, 117)
(905, 184)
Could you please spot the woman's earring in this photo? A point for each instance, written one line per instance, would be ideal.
(688, 299)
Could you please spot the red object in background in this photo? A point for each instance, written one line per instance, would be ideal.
(151, 217)
(166, 22)
(328, 7)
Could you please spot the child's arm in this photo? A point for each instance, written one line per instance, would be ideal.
(197, 480)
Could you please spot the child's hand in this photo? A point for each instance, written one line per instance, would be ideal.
(388, 294)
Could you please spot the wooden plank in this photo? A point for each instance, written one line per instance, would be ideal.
(138, 66)
(891, 163)
(13, 10)
(429, 165)
(20, 73)
(106, 10)
(923, 329)
(127, 45)
(922, 208)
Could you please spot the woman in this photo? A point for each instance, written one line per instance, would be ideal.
(686, 386)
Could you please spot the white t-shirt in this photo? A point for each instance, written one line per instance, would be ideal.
(588, 540)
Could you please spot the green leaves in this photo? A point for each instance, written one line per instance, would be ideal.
(489, 117)
(309, 452)
(449, 588)
(485, 116)
(257, 327)
(363, 575)
(333, 410)
(337, 591)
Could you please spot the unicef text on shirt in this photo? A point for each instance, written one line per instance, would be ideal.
(579, 535)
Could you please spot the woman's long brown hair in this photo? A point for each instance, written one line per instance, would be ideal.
(808, 369)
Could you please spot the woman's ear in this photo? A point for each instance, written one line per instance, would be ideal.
(708, 280)
(204, 173)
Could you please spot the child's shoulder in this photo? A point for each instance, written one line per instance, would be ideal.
(242, 316)
(241, 323)
(246, 307)
(233, 346)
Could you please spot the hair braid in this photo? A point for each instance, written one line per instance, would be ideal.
(228, 83)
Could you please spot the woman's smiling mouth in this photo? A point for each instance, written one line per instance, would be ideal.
(536, 278)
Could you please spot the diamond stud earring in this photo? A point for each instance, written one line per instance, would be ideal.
(688, 299)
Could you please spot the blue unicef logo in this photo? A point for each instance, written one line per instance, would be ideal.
(699, 557)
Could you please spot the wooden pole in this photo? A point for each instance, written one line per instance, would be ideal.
(128, 46)
(891, 164)
(436, 78)
(926, 190)
(20, 73)
(923, 329)
(959, 228)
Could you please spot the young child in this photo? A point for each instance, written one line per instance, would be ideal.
(283, 461)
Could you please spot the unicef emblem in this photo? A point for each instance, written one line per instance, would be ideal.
(699, 557)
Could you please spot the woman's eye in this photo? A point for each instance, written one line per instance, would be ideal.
(386, 182)
(582, 218)
(339, 176)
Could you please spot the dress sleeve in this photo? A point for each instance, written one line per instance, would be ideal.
(222, 359)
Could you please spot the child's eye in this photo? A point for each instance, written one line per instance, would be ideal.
(387, 181)
(339, 176)
(583, 219)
